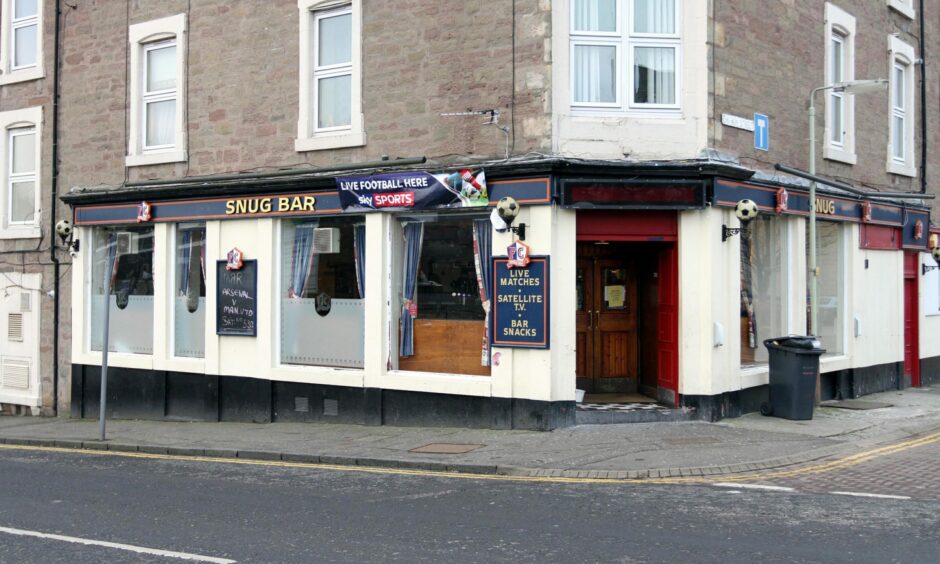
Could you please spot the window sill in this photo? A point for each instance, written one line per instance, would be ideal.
(902, 169)
(33, 232)
(833, 154)
(155, 158)
(330, 141)
(22, 75)
(632, 113)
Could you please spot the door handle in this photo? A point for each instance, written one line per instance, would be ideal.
(597, 318)
(590, 319)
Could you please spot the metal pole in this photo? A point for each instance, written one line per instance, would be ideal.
(104, 348)
(813, 269)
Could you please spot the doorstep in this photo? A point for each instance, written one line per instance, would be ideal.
(615, 413)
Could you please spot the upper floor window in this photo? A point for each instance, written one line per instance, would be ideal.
(901, 127)
(21, 45)
(905, 7)
(157, 126)
(625, 54)
(840, 67)
(21, 172)
(330, 76)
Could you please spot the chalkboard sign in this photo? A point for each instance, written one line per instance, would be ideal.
(236, 299)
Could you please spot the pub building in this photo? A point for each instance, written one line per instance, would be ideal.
(391, 293)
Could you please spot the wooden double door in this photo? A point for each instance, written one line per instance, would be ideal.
(607, 316)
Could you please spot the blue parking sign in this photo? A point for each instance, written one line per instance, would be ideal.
(761, 132)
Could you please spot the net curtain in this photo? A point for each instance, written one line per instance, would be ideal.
(414, 235)
(303, 260)
(482, 258)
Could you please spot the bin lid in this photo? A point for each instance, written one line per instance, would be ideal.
(802, 342)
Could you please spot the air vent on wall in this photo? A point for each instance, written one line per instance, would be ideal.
(14, 373)
(326, 240)
(15, 327)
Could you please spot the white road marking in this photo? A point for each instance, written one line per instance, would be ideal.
(880, 496)
(753, 487)
(118, 546)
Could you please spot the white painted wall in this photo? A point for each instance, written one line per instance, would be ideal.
(20, 383)
(929, 308)
(639, 135)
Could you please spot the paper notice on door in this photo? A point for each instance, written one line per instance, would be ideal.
(614, 296)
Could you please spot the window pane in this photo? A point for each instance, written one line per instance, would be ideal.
(836, 117)
(189, 300)
(897, 137)
(829, 285)
(335, 40)
(654, 75)
(160, 119)
(899, 86)
(654, 16)
(24, 153)
(322, 315)
(334, 97)
(595, 74)
(161, 69)
(130, 250)
(24, 9)
(23, 201)
(763, 287)
(836, 59)
(447, 280)
(595, 15)
(25, 40)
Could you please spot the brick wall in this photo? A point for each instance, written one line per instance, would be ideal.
(768, 56)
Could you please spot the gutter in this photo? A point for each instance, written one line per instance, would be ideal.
(923, 102)
(53, 248)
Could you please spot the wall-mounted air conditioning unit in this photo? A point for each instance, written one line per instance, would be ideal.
(126, 243)
(326, 240)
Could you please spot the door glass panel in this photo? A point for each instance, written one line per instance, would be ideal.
(615, 289)
(580, 289)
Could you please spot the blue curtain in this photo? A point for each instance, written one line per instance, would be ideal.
(186, 251)
(302, 258)
(414, 234)
(111, 260)
(482, 258)
(359, 249)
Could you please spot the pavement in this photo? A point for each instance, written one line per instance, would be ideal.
(620, 451)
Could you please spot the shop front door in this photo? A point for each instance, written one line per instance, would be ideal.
(607, 324)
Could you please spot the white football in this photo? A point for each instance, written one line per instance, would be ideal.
(746, 210)
(507, 207)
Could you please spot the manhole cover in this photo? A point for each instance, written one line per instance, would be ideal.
(445, 448)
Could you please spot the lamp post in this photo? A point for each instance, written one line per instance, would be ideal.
(849, 87)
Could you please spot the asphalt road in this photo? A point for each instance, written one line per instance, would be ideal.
(274, 514)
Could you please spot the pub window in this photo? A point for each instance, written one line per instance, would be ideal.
(129, 252)
(444, 304)
(830, 285)
(763, 287)
(189, 298)
(322, 287)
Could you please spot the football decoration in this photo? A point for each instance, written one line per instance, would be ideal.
(508, 209)
(746, 210)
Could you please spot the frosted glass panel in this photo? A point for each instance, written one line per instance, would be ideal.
(24, 153)
(131, 328)
(334, 43)
(189, 328)
(25, 40)
(23, 203)
(161, 69)
(160, 119)
(334, 96)
(336, 339)
(24, 8)
(830, 285)
(595, 15)
(897, 138)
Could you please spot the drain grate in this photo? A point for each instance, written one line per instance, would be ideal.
(445, 448)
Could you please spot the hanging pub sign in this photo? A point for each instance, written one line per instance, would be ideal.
(237, 299)
(518, 255)
(520, 298)
(412, 190)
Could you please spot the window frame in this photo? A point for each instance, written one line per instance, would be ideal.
(841, 25)
(13, 178)
(310, 137)
(626, 41)
(173, 270)
(903, 7)
(9, 72)
(143, 38)
(901, 55)
(10, 122)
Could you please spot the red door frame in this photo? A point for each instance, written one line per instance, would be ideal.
(648, 226)
(912, 317)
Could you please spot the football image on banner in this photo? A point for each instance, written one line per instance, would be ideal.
(416, 190)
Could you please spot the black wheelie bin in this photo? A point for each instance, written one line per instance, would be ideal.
(794, 368)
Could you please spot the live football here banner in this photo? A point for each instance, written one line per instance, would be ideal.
(412, 190)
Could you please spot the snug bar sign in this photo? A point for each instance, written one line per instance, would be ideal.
(249, 206)
(520, 295)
